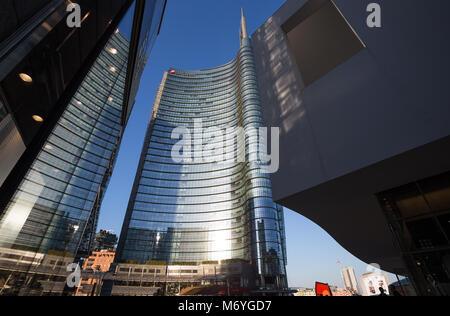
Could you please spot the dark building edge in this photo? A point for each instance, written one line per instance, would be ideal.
(15, 177)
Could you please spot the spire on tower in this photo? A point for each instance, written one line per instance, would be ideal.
(244, 33)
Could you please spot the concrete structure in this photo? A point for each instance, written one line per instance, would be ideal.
(349, 278)
(159, 278)
(362, 110)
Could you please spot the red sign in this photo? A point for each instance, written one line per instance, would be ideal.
(323, 289)
(172, 71)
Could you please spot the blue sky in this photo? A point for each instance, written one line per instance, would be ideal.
(199, 34)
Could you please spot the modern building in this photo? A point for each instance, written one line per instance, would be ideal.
(93, 271)
(197, 220)
(365, 127)
(305, 292)
(68, 94)
(43, 62)
(350, 282)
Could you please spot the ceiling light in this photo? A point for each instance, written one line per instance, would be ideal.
(110, 99)
(79, 103)
(112, 69)
(38, 118)
(25, 77)
(113, 51)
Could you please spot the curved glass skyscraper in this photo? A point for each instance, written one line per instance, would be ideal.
(214, 211)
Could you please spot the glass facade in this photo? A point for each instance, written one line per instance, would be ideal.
(51, 219)
(151, 24)
(194, 213)
(61, 193)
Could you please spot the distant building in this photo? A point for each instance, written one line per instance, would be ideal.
(99, 261)
(350, 282)
(93, 268)
(341, 292)
(305, 292)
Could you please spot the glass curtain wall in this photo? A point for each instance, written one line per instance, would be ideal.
(42, 226)
(192, 213)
